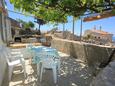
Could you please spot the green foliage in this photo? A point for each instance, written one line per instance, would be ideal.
(113, 11)
(58, 10)
(26, 24)
(90, 36)
(31, 24)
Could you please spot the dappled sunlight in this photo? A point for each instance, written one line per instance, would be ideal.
(63, 54)
(19, 79)
(73, 72)
(73, 84)
(16, 83)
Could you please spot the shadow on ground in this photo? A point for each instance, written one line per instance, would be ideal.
(73, 73)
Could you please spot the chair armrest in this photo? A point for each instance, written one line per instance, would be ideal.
(22, 59)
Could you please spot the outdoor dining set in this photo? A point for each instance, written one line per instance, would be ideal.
(43, 57)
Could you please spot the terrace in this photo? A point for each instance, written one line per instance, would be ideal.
(79, 64)
(73, 72)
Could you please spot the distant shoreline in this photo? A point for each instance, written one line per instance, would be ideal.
(113, 38)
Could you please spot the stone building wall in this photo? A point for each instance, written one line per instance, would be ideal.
(99, 34)
(5, 36)
(3, 69)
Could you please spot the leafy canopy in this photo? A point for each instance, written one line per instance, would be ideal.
(58, 10)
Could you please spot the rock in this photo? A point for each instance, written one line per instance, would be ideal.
(106, 77)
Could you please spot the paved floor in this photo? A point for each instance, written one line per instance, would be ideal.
(73, 73)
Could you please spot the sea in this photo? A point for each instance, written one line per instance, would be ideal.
(113, 38)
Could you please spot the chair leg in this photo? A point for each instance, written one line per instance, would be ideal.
(23, 66)
(55, 75)
(24, 70)
(25, 75)
(58, 67)
(10, 72)
(38, 69)
(41, 73)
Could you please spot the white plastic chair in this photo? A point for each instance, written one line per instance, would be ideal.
(50, 60)
(49, 63)
(53, 53)
(29, 45)
(13, 62)
(37, 60)
(47, 60)
(13, 54)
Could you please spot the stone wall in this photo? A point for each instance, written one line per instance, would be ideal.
(3, 69)
(92, 54)
(106, 77)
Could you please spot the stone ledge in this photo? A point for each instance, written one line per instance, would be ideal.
(92, 54)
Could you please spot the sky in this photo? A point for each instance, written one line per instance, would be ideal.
(107, 24)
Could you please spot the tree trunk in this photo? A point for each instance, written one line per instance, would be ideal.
(39, 26)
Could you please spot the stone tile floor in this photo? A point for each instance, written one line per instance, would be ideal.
(73, 73)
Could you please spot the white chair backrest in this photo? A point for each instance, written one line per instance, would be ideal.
(29, 52)
(7, 54)
(16, 50)
(48, 62)
(29, 46)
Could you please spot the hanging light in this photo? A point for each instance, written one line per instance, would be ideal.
(98, 16)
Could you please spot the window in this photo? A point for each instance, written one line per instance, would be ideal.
(99, 37)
